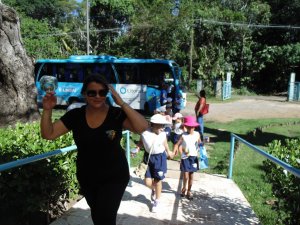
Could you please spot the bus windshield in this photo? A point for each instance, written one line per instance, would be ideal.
(138, 81)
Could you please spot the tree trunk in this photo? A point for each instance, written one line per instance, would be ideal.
(17, 89)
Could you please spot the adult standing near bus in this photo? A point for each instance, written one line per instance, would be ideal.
(102, 169)
(164, 94)
(198, 108)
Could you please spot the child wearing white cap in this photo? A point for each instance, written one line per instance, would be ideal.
(155, 143)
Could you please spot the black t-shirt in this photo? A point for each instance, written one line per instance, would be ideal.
(100, 155)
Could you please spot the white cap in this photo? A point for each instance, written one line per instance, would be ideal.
(159, 119)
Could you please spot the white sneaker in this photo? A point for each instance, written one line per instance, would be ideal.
(155, 206)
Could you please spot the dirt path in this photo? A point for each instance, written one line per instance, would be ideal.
(249, 108)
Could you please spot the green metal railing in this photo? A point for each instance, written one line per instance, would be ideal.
(285, 165)
(34, 158)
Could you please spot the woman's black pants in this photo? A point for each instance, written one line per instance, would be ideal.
(104, 201)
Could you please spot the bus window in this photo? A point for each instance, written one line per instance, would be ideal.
(73, 73)
(128, 73)
(60, 72)
(88, 69)
(46, 70)
(167, 76)
(151, 74)
(103, 69)
(99, 69)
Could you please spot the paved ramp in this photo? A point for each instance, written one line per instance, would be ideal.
(217, 200)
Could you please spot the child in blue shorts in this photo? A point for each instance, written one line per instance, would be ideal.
(155, 143)
(188, 147)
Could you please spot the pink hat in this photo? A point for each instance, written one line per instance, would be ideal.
(190, 121)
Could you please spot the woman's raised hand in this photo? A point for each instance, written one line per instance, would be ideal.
(49, 100)
(118, 100)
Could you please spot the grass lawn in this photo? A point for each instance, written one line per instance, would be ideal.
(248, 167)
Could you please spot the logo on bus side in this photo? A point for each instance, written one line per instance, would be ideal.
(123, 90)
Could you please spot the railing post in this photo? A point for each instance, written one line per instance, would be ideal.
(128, 154)
(232, 140)
(128, 147)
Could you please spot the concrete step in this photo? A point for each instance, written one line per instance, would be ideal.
(217, 201)
(174, 171)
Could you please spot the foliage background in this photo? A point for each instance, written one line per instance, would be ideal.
(258, 41)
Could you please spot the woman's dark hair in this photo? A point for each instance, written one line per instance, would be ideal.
(202, 93)
(94, 78)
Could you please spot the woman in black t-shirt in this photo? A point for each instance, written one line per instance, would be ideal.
(102, 168)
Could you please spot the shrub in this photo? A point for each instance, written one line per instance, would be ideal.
(286, 186)
(42, 186)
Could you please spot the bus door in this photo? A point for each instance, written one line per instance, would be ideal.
(179, 88)
(129, 86)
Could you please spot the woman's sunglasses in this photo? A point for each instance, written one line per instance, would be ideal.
(93, 93)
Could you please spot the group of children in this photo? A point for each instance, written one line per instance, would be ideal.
(181, 131)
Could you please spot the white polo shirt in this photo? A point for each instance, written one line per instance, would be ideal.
(190, 142)
(149, 137)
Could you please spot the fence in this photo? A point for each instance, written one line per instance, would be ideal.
(294, 91)
(34, 158)
(226, 90)
(285, 165)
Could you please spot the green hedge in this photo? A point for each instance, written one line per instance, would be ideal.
(286, 186)
(43, 186)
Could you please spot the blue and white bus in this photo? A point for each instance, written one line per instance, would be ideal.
(138, 81)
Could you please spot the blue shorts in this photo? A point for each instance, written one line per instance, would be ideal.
(175, 138)
(190, 164)
(168, 131)
(157, 167)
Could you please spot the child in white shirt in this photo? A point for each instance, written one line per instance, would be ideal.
(155, 143)
(188, 147)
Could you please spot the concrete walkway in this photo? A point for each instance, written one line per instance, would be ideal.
(217, 200)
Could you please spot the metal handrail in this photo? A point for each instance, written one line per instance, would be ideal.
(283, 164)
(21, 162)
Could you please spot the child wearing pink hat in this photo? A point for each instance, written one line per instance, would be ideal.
(188, 147)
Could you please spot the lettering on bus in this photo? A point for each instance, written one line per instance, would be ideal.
(67, 90)
(124, 90)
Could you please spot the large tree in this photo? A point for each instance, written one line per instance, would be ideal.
(17, 89)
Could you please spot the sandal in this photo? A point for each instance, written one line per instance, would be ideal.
(183, 190)
(189, 196)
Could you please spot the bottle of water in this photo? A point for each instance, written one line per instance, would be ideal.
(48, 83)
